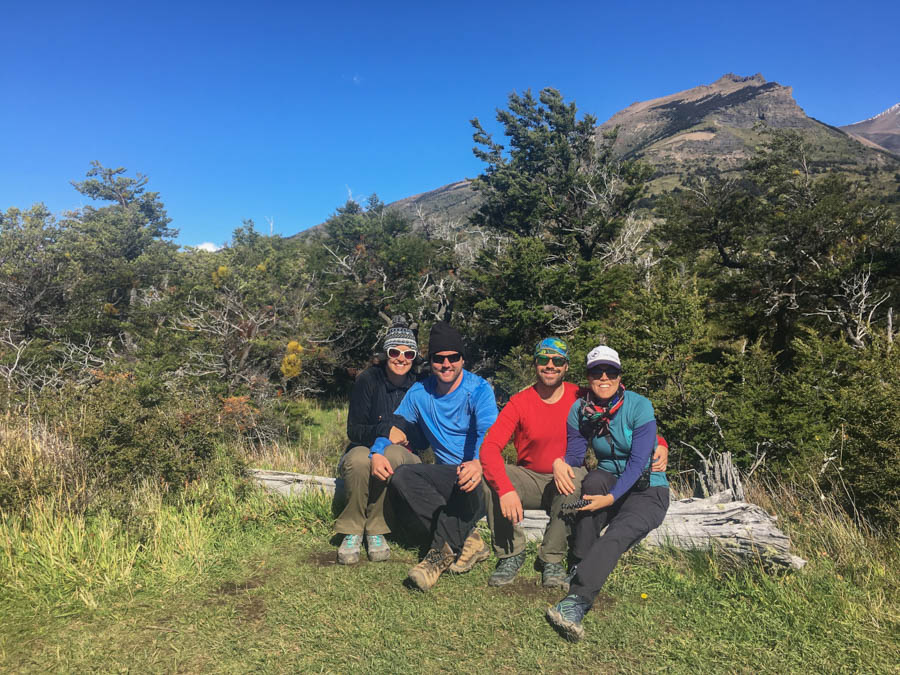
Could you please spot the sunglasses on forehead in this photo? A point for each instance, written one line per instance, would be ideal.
(452, 358)
(408, 354)
(558, 361)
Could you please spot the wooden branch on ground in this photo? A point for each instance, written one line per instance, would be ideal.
(737, 527)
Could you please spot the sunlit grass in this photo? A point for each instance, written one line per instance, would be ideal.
(223, 577)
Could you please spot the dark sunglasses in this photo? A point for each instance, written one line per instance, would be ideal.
(611, 372)
(558, 361)
(408, 354)
(452, 358)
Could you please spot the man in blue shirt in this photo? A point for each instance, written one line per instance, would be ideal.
(454, 409)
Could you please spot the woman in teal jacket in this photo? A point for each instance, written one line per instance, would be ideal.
(622, 495)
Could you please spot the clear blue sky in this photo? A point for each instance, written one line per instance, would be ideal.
(280, 109)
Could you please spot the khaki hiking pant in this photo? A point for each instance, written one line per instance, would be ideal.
(536, 491)
(364, 512)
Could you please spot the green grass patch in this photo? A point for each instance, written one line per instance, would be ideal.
(259, 591)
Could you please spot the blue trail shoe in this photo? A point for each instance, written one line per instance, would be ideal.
(348, 551)
(507, 569)
(377, 547)
(566, 617)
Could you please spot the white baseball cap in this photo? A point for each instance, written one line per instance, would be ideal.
(603, 355)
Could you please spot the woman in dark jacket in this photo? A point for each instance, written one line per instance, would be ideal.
(622, 495)
(376, 394)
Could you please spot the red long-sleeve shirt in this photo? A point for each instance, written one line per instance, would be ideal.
(538, 431)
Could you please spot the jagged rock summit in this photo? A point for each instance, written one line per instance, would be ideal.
(881, 131)
(716, 127)
(705, 119)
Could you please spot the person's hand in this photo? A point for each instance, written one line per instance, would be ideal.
(469, 475)
(397, 437)
(511, 507)
(381, 467)
(563, 476)
(597, 502)
(660, 458)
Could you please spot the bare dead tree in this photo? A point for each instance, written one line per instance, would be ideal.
(566, 319)
(435, 297)
(856, 305)
(230, 322)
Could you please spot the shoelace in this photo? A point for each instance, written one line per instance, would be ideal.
(376, 540)
(434, 556)
(571, 608)
(350, 540)
(510, 562)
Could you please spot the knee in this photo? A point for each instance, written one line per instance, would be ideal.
(597, 482)
(396, 454)
(356, 460)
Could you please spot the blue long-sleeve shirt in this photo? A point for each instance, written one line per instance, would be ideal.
(455, 423)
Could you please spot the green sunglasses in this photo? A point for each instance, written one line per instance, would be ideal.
(558, 361)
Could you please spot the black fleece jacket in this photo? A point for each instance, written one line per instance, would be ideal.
(372, 404)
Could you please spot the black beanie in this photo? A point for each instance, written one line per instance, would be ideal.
(444, 338)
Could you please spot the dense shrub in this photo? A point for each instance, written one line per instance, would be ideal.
(849, 438)
(130, 431)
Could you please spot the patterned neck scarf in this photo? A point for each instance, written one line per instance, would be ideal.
(595, 417)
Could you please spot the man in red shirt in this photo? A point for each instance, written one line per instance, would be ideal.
(535, 420)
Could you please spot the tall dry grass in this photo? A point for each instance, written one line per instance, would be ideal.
(60, 540)
(318, 450)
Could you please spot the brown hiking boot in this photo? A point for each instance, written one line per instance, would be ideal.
(474, 551)
(425, 575)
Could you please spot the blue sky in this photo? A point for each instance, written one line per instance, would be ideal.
(279, 110)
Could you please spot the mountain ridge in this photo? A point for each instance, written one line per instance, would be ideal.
(712, 127)
(882, 131)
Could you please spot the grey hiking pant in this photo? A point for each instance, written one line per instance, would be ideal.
(627, 521)
(364, 512)
(536, 491)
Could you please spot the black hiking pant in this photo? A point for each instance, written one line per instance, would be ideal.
(627, 521)
(432, 493)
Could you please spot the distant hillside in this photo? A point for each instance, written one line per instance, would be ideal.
(713, 127)
(451, 203)
(881, 131)
(718, 127)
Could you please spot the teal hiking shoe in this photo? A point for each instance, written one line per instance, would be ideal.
(553, 575)
(348, 551)
(506, 570)
(377, 548)
(566, 617)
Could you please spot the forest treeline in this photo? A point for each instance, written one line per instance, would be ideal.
(754, 311)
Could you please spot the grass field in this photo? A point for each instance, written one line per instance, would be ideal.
(259, 591)
(224, 578)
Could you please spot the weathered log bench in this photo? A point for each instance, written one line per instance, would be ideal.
(738, 527)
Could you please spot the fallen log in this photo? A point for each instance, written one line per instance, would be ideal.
(737, 527)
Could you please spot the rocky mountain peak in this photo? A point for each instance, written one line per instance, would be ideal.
(711, 127)
(712, 119)
(731, 77)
